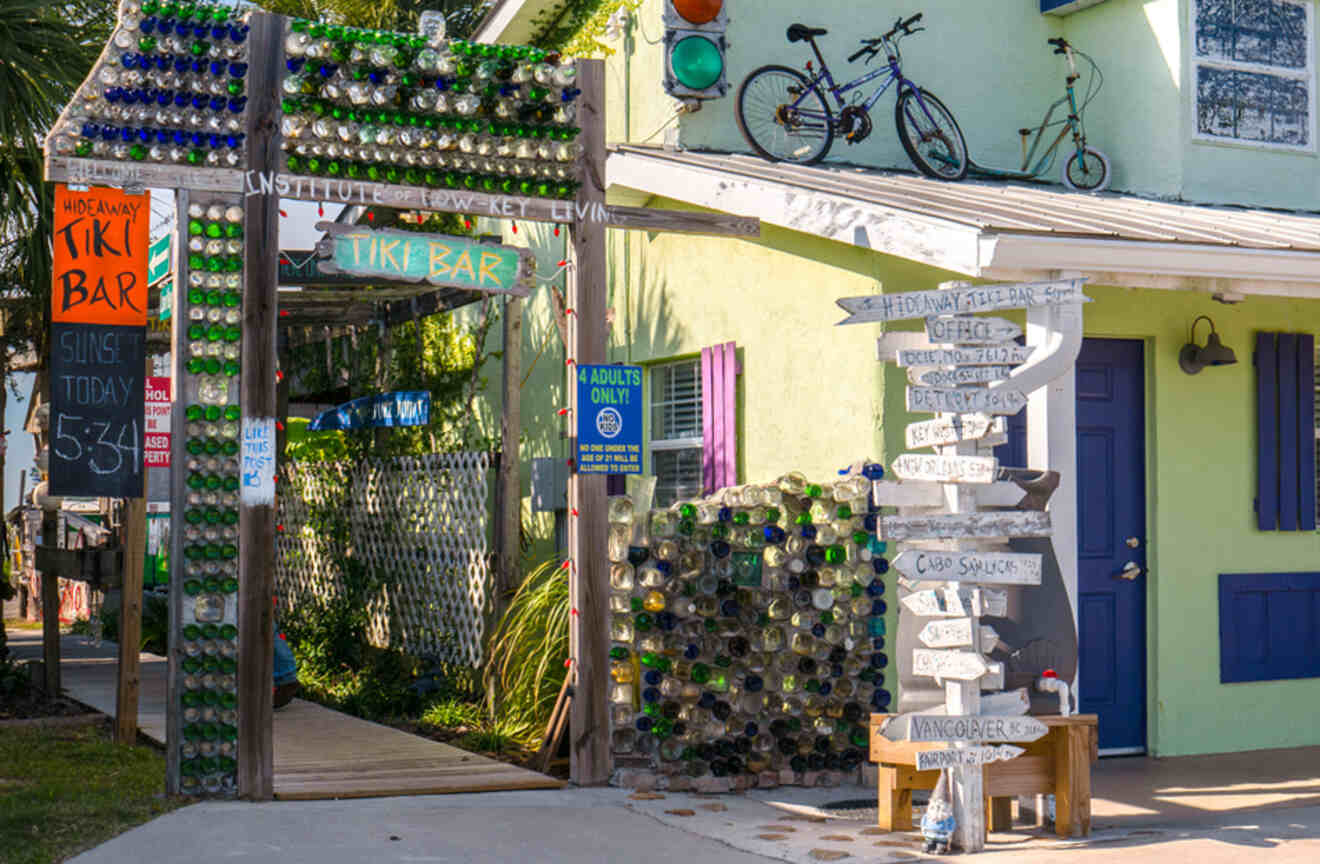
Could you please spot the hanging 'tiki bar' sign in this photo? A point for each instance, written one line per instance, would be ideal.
(435, 259)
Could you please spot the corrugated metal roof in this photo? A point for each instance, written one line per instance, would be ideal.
(1024, 208)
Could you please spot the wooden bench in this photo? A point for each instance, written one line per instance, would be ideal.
(1058, 764)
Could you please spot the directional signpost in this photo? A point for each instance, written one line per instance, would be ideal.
(931, 760)
(952, 429)
(946, 469)
(966, 400)
(959, 376)
(971, 330)
(987, 568)
(959, 665)
(962, 369)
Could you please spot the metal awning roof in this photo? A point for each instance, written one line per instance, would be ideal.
(997, 229)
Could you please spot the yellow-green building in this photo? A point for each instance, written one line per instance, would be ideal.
(1185, 524)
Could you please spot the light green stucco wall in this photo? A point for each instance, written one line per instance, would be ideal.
(1202, 478)
(813, 398)
(1135, 118)
(997, 74)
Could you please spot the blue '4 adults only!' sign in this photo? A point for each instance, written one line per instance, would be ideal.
(609, 420)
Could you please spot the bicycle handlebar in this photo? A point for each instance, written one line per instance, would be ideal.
(905, 26)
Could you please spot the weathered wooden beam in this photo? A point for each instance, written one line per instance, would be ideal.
(589, 751)
(682, 222)
(99, 172)
(178, 500)
(256, 513)
(130, 621)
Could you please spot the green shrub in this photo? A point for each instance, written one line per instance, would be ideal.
(452, 714)
(528, 651)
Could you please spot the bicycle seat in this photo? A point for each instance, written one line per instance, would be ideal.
(798, 32)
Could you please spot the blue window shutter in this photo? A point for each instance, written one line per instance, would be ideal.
(1267, 427)
(1285, 423)
(719, 416)
(1269, 626)
(1306, 428)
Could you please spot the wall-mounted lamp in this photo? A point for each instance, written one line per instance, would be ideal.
(1193, 358)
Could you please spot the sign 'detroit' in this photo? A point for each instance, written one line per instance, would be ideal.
(951, 602)
(946, 469)
(966, 400)
(993, 568)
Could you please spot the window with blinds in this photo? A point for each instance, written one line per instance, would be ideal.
(676, 431)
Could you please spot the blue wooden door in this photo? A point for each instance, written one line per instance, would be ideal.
(1111, 534)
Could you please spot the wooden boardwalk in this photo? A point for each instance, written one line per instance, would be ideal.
(319, 753)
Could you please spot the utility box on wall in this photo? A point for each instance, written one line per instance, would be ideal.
(549, 485)
(1065, 7)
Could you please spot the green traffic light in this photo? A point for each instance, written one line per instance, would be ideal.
(697, 62)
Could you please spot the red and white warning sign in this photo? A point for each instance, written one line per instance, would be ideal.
(156, 450)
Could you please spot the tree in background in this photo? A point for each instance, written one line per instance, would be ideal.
(47, 48)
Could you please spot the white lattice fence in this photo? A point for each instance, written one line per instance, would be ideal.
(418, 524)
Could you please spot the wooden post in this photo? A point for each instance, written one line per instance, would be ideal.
(130, 620)
(964, 697)
(589, 761)
(256, 518)
(510, 497)
(50, 605)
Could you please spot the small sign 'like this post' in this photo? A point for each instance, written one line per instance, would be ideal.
(966, 369)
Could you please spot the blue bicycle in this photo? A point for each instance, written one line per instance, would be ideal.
(785, 116)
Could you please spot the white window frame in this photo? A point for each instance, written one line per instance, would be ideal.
(1305, 75)
(668, 444)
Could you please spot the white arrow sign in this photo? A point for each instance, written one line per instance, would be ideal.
(947, 633)
(974, 728)
(931, 604)
(996, 355)
(951, 430)
(958, 376)
(932, 760)
(946, 469)
(888, 345)
(992, 568)
(1004, 523)
(958, 665)
(981, 602)
(989, 638)
(966, 400)
(954, 301)
(971, 331)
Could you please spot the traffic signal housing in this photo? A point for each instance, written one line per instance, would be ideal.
(694, 48)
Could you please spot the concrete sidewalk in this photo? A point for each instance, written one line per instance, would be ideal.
(607, 826)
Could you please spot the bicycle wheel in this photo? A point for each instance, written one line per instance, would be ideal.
(1090, 173)
(930, 135)
(779, 121)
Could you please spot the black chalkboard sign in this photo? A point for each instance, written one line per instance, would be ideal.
(97, 405)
